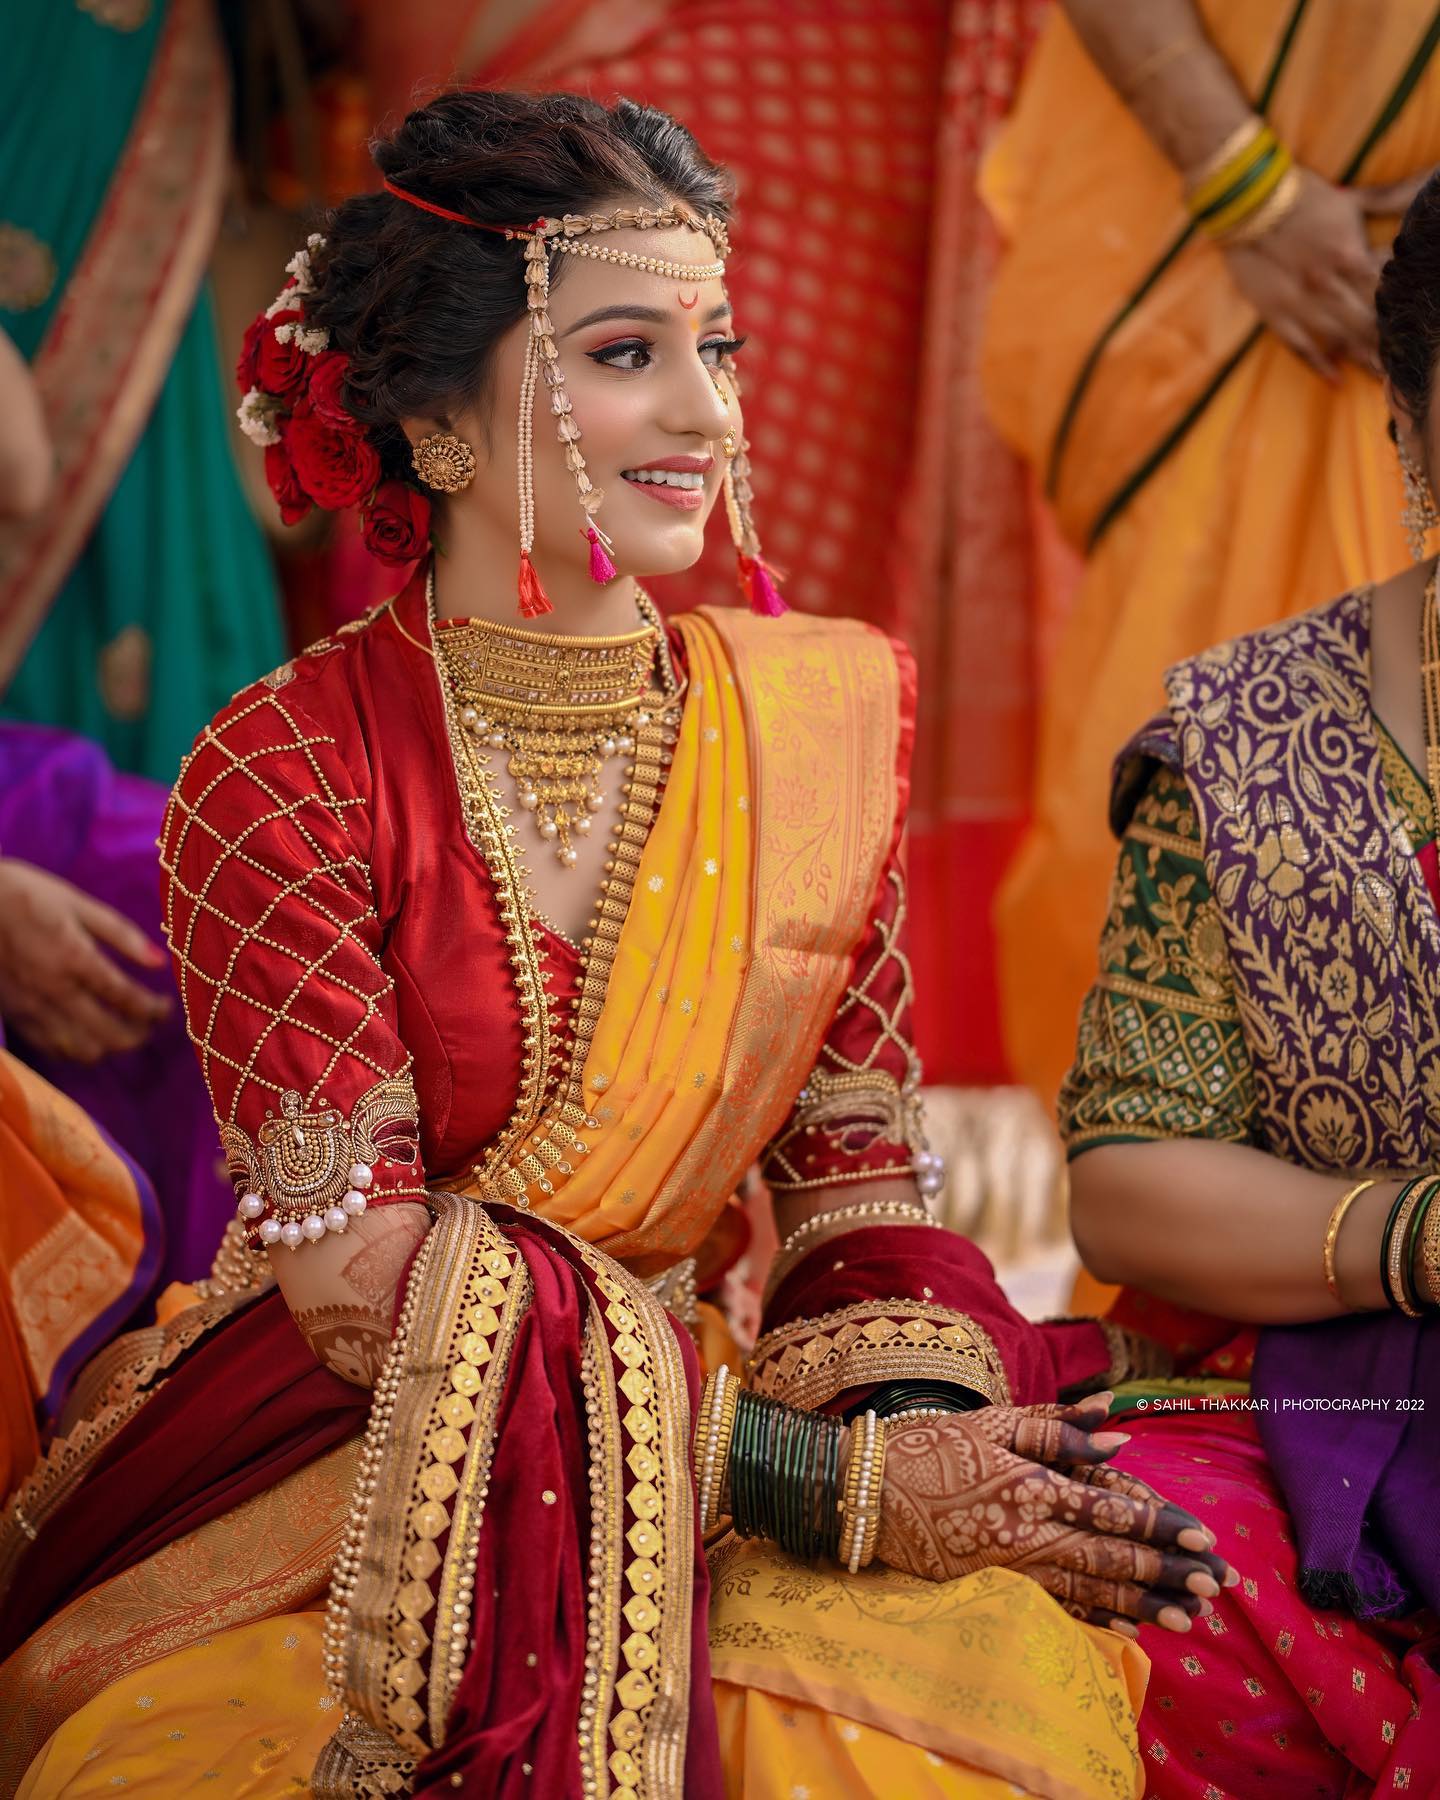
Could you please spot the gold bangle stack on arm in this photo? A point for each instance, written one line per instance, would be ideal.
(714, 1427)
(864, 1480)
(1332, 1234)
(1427, 1277)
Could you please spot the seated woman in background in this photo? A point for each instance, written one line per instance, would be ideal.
(1254, 1118)
(507, 949)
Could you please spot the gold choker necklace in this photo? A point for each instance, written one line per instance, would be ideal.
(560, 706)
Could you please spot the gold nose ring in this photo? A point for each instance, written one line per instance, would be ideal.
(729, 444)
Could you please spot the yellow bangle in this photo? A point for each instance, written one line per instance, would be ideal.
(1332, 1234)
(1281, 202)
(1205, 185)
(1248, 208)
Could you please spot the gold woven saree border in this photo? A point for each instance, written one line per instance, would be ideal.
(463, 1306)
(110, 1390)
(809, 1361)
(110, 341)
(643, 1367)
(435, 1406)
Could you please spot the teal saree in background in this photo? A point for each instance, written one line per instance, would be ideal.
(142, 596)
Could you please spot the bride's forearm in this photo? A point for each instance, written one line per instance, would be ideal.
(343, 1291)
(1226, 1229)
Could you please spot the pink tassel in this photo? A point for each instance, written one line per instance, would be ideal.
(759, 582)
(601, 567)
(533, 598)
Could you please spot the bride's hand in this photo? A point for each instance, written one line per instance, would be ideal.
(1027, 1488)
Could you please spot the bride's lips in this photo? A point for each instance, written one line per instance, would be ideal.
(684, 499)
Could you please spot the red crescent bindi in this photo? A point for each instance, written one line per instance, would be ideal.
(691, 303)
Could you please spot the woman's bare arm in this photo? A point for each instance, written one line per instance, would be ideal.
(1157, 57)
(27, 462)
(343, 1292)
(1226, 1229)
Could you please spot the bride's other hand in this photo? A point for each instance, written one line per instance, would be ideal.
(1027, 1488)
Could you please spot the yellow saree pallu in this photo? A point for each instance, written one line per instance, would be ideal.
(1213, 481)
(458, 1596)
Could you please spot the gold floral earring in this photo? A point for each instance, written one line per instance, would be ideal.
(1421, 515)
(444, 462)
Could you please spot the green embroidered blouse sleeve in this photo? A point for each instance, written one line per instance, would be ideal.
(1160, 1051)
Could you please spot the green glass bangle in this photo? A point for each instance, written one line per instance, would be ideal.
(1240, 186)
(904, 1396)
(1387, 1234)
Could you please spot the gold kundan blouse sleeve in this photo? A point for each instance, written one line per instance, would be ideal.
(1161, 1053)
(272, 925)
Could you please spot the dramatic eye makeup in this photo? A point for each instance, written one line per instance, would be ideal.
(635, 353)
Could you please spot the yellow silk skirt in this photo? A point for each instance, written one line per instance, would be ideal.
(987, 1687)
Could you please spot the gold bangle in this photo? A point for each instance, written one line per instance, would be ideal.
(1332, 1234)
(1398, 1234)
(1262, 222)
(714, 1428)
(1209, 181)
(860, 1506)
(1248, 206)
(1430, 1254)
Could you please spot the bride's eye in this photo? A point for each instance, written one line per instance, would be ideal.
(632, 355)
(714, 350)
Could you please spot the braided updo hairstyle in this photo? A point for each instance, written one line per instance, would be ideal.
(419, 304)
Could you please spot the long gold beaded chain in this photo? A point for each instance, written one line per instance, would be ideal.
(1430, 687)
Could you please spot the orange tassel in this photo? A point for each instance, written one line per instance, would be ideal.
(533, 598)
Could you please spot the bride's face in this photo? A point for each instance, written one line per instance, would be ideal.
(641, 360)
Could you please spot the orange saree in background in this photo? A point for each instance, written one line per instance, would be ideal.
(74, 1256)
(1212, 480)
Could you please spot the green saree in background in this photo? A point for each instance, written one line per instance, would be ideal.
(142, 596)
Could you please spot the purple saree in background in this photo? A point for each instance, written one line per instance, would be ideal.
(64, 808)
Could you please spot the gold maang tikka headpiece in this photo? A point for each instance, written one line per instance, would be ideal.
(573, 234)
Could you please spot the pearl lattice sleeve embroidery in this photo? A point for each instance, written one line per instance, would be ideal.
(859, 1116)
(272, 926)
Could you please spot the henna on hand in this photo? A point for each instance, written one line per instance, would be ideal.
(959, 1498)
(350, 1341)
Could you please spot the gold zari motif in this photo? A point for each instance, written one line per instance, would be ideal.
(809, 1361)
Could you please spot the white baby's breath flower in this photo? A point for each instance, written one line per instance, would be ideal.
(310, 338)
(256, 413)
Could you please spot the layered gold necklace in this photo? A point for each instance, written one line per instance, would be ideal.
(559, 708)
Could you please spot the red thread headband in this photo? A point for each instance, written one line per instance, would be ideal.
(455, 218)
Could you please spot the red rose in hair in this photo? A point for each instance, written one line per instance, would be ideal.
(285, 484)
(336, 468)
(280, 369)
(397, 523)
(327, 379)
(247, 370)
